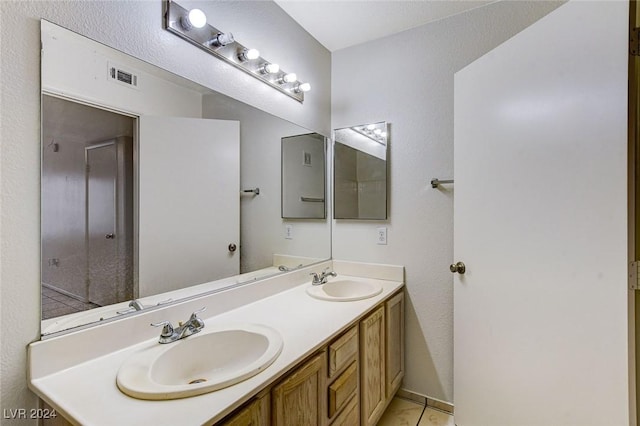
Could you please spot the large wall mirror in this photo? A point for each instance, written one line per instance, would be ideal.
(360, 172)
(156, 189)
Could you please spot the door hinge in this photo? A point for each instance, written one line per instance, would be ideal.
(88, 168)
(634, 42)
(633, 276)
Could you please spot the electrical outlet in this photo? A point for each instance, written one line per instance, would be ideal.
(382, 235)
(288, 232)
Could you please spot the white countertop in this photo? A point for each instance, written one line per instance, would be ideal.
(86, 393)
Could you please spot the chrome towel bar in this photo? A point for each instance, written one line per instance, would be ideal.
(435, 182)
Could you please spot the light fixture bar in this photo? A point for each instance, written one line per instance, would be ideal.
(369, 131)
(208, 39)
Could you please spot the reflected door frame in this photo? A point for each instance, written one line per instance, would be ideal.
(109, 242)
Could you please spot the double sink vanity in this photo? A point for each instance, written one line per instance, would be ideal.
(280, 351)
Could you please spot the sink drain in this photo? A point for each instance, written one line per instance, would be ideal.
(193, 382)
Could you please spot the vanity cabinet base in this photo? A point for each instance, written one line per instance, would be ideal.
(350, 382)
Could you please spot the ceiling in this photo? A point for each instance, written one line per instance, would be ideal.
(338, 23)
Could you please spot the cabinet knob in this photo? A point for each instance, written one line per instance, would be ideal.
(457, 267)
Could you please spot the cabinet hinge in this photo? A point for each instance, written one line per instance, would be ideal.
(634, 42)
(633, 276)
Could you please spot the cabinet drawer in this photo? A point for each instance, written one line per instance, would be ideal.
(341, 391)
(350, 416)
(343, 350)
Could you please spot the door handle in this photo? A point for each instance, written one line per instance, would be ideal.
(457, 267)
(110, 236)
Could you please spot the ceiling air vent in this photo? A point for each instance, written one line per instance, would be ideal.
(119, 75)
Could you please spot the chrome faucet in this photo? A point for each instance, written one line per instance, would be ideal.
(287, 268)
(322, 278)
(135, 304)
(169, 334)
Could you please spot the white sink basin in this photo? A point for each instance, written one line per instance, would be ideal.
(345, 290)
(213, 359)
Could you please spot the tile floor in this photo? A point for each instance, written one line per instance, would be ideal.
(402, 412)
(55, 304)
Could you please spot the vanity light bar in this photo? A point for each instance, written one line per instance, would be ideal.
(191, 25)
(373, 132)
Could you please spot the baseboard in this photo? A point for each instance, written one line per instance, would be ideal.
(422, 399)
(65, 292)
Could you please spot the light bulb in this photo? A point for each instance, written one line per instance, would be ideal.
(371, 126)
(194, 19)
(383, 134)
(249, 54)
(302, 87)
(222, 39)
(377, 132)
(288, 78)
(269, 69)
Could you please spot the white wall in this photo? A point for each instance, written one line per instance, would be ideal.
(409, 83)
(135, 28)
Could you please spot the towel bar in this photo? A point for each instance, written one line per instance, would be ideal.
(435, 182)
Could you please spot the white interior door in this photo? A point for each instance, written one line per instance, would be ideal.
(102, 246)
(541, 224)
(189, 203)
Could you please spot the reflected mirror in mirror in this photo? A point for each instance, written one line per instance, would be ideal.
(149, 187)
(303, 177)
(360, 172)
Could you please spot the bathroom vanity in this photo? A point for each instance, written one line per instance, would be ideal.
(340, 362)
(350, 381)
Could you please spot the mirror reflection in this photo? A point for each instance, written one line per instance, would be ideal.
(360, 172)
(87, 201)
(303, 177)
(144, 180)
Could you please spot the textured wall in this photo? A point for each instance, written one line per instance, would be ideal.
(136, 28)
(409, 83)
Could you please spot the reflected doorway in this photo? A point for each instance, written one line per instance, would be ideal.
(87, 207)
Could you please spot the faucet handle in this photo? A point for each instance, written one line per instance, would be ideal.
(194, 315)
(167, 329)
(196, 323)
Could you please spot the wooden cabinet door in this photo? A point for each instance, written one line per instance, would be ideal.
(300, 399)
(254, 414)
(394, 309)
(372, 367)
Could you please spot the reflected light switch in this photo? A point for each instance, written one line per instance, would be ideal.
(288, 232)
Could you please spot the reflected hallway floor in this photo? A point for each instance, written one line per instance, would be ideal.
(55, 304)
(402, 412)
